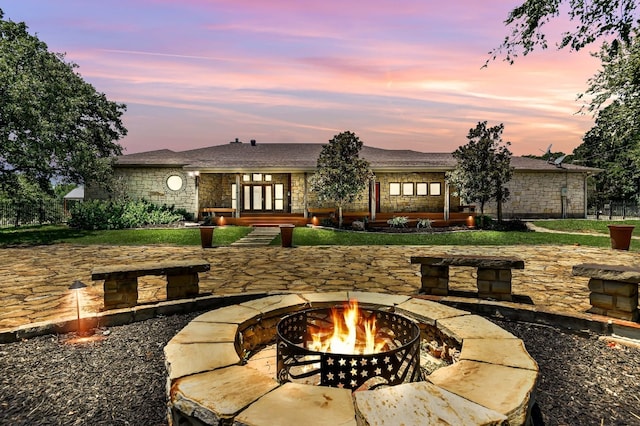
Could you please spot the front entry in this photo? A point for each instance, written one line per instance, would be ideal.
(262, 198)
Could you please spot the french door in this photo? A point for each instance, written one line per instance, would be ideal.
(263, 198)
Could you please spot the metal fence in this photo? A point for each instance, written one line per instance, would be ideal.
(618, 210)
(38, 213)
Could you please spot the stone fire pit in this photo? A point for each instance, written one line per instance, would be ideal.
(214, 373)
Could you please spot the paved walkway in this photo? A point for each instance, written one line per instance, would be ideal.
(260, 236)
(34, 281)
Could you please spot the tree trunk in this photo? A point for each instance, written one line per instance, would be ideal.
(340, 216)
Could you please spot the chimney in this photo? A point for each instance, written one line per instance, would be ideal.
(236, 141)
(253, 142)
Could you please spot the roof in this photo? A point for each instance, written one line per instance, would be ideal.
(76, 193)
(301, 157)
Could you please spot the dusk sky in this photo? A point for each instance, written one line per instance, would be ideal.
(401, 74)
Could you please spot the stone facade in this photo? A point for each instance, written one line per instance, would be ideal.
(152, 184)
(537, 194)
(412, 203)
(533, 194)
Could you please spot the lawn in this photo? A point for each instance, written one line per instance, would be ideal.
(39, 235)
(312, 237)
(581, 225)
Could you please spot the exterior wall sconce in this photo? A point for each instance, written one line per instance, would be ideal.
(196, 175)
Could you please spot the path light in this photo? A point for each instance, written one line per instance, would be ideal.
(76, 287)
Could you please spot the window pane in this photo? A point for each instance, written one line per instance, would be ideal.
(234, 200)
(257, 177)
(174, 182)
(257, 198)
(434, 188)
(407, 188)
(421, 188)
(268, 199)
(279, 204)
(394, 189)
(279, 191)
(267, 178)
(246, 178)
(247, 198)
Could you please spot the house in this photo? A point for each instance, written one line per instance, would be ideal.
(249, 180)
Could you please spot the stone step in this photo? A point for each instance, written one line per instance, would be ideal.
(258, 237)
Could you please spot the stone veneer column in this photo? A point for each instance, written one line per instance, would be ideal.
(614, 289)
(435, 280)
(494, 283)
(614, 299)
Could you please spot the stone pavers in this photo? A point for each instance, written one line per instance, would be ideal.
(483, 388)
(258, 237)
(34, 281)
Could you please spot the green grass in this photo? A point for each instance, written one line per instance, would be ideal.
(39, 235)
(313, 237)
(42, 235)
(582, 225)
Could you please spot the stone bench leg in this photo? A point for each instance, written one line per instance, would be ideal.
(614, 299)
(494, 284)
(120, 291)
(182, 285)
(435, 280)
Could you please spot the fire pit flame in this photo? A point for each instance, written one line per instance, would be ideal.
(348, 347)
(350, 333)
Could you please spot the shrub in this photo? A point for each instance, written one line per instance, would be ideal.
(424, 223)
(398, 221)
(510, 225)
(100, 214)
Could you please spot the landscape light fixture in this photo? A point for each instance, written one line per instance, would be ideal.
(76, 287)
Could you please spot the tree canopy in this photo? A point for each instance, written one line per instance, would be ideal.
(613, 143)
(616, 150)
(590, 20)
(53, 124)
(341, 174)
(483, 168)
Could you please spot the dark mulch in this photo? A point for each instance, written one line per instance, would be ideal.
(121, 379)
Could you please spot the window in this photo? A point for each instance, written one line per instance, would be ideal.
(175, 182)
(247, 197)
(407, 188)
(278, 196)
(434, 188)
(257, 177)
(267, 178)
(421, 188)
(394, 189)
(268, 198)
(246, 178)
(234, 196)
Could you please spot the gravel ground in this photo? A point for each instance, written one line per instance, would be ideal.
(120, 380)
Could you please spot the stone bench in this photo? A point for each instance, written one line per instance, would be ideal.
(614, 289)
(121, 281)
(494, 274)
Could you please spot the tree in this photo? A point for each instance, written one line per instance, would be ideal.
(341, 174)
(597, 19)
(483, 168)
(615, 149)
(53, 125)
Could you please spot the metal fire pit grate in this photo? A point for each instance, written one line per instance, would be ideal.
(400, 363)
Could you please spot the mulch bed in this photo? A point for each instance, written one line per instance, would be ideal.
(121, 379)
